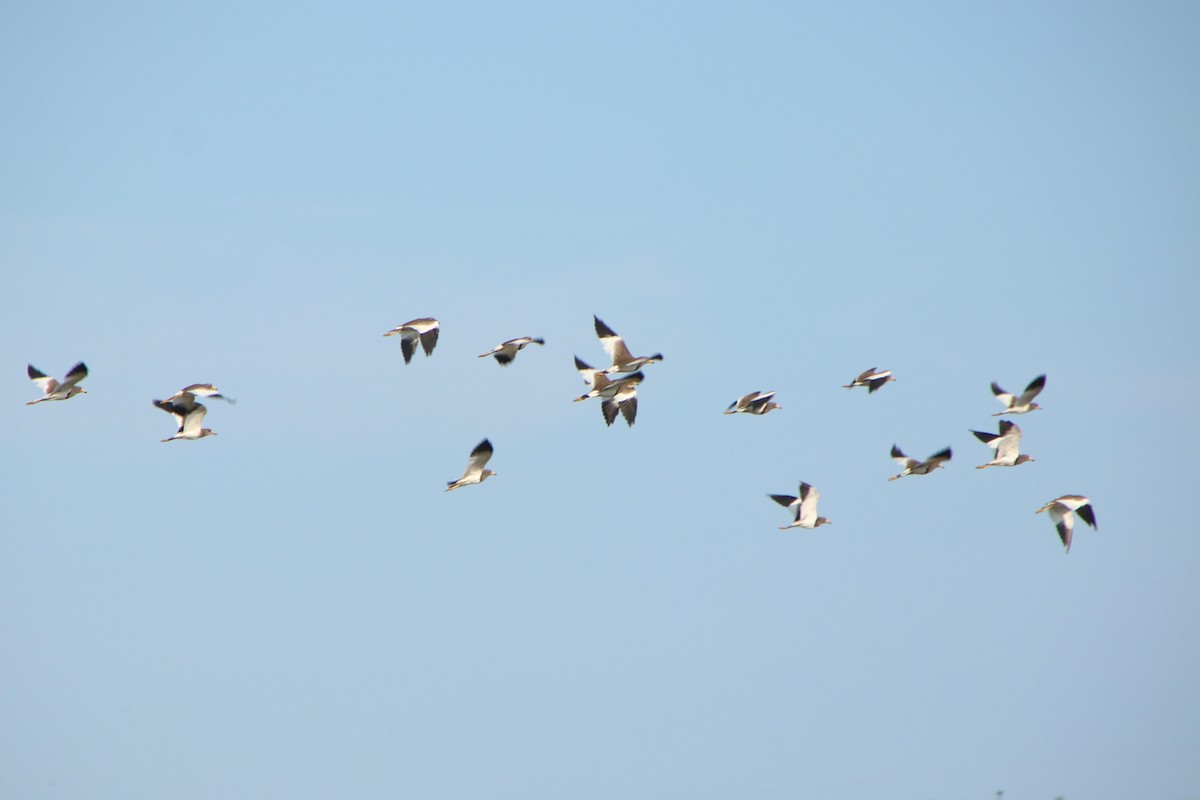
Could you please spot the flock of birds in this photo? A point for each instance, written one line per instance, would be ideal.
(617, 387)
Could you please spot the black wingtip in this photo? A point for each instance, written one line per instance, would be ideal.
(602, 330)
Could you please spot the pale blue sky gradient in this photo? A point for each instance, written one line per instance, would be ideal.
(775, 196)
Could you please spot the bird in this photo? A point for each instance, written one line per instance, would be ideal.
(754, 403)
(617, 395)
(425, 329)
(475, 473)
(614, 345)
(505, 352)
(871, 379)
(1023, 404)
(805, 507)
(188, 413)
(914, 467)
(1062, 513)
(53, 389)
(1006, 443)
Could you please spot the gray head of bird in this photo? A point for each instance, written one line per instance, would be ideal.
(822, 521)
(1021, 459)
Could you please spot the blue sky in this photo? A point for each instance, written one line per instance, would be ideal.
(775, 196)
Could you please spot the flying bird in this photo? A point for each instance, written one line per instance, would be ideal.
(754, 403)
(616, 395)
(475, 473)
(189, 415)
(1062, 513)
(53, 389)
(505, 352)
(1006, 443)
(1022, 404)
(913, 467)
(871, 379)
(614, 345)
(803, 507)
(425, 330)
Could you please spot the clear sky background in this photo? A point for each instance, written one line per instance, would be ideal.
(775, 196)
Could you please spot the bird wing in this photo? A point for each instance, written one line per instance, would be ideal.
(429, 339)
(743, 402)
(865, 375)
(609, 408)
(1032, 390)
(613, 344)
(628, 405)
(808, 504)
(169, 406)
(204, 390)
(77, 373)
(408, 343)
(479, 457)
(785, 500)
(187, 412)
(590, 375)
(193, 421)
(1079, 504)
(939, 457)
(760, 400)
(1064, 522)
(1001, 395)
(990, 439)
(1008, 442)
(904, 461)
(1008, 448)
(40, 379)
